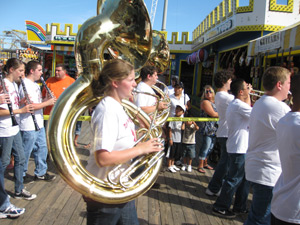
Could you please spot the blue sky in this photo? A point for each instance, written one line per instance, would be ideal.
(183, 15)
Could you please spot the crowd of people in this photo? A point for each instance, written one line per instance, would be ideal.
(259, 145)
(23, 101)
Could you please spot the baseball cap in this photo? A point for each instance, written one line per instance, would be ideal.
(181, 106)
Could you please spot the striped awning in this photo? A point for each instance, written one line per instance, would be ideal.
(287, 38)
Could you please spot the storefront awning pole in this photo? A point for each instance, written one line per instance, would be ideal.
(53, 61)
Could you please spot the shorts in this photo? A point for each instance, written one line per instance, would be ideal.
(189, 150)
(175, 151)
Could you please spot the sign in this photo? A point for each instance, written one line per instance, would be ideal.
(268, 42)
(220, 29)
(64, 38)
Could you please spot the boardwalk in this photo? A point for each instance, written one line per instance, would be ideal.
(180, 199)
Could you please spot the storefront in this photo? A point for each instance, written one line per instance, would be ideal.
(280, 48)
(220, 42)
(62, 46)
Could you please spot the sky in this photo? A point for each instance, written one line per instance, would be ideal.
(182, 15)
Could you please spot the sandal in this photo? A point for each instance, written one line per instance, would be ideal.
(201, 170)
(208, 167)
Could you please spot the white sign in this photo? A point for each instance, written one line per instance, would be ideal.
(269, 42)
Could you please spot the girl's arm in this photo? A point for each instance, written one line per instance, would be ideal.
(106, 158)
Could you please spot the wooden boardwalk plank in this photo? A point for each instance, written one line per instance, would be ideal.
(180, 199)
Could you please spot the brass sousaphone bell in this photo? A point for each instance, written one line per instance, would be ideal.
(122, 27)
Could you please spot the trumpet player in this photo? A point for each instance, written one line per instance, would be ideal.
(285, 205)
(114, 139)
(35, 140)
(237, 117)
(262, 166)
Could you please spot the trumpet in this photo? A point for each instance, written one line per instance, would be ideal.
(256, 93)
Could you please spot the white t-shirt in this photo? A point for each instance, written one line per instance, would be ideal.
(176, 131)
(262, 159)
(170, 90)
(112, 130)
(6, 128)
(286, 193)
(34, 92)
(142, 100)
(175, 101)
(237, 117)
(222, 100)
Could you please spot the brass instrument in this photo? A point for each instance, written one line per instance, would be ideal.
(124, 27)
(255, 95)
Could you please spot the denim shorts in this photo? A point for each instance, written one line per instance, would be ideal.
(189, 150)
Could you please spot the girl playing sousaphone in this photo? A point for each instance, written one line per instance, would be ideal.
(114, 139)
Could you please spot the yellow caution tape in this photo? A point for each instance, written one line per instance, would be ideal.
(196, 119)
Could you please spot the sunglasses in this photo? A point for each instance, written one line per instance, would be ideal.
(208, 91)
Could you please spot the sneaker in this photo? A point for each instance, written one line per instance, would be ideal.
(183, 167)
(46, 177)
(175, 168)
(171, 169)
(178, 163)
(189, 169)
(210, 193)
(25, 195)
(223, 213)
(11, 212)
(27, 180)
(239, 212)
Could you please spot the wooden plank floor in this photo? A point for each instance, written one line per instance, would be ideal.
(180, 199)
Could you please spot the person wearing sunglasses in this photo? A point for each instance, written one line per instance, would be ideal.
(208, 129)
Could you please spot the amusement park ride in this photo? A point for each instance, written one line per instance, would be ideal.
(14, 39)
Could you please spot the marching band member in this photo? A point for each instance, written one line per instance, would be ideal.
(222, 99)
(35, 140)
(285, 205)
(10, 136)
(114, 139)
(262, 165)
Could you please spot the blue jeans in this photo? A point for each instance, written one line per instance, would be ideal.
(4, 199)
(222, 167)
(78, 127)
(235, 183)
(206, 147)
(121, 214)
(35, 141)
(260, 212)
(13, 145)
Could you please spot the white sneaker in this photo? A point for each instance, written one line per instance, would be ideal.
(183, 167)
(189, 169)
(171, 169)
(175, 168)
(210, 193)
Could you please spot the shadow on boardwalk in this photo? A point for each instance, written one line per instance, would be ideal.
(179, 199)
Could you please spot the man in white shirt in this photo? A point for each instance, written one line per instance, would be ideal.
(146, 102)
(262, 165)
(35, 140)
(285, 206)
(237, 117)
(222, 99)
